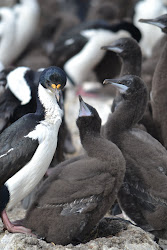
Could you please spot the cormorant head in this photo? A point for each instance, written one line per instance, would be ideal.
(123, 46)
(53, 78)
(129, 86)
(88, 118)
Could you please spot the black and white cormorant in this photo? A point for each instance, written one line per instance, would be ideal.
(81, 49)
(18, 87)
(28, 145)
(17, 94)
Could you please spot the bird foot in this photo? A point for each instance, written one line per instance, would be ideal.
(14, 227)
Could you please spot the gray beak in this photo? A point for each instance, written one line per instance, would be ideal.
(117, 83)
(57, 93)
(84, 110)
(153, 22)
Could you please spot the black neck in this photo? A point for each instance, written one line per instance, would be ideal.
(122, 25)
(130, 27)
(40, 108)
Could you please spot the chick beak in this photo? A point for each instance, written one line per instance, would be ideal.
(117, 83)
(153, 22)
(84, 110)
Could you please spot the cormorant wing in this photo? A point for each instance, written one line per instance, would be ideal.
(15, 148)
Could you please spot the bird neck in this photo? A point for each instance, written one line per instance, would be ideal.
(126, 115)
(159, 77)
(130, 28)
(158, 92)
(85, 135)
(93, 143)
(131, 65)
(47, 105)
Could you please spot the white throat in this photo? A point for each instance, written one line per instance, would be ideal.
(46, 132)
(48, 99)
(18, 85)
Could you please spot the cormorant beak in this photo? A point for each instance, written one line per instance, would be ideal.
(56, 89)
(113, 48)
(117, 83)
(61, 100)
(57, 93)
(84, 110)
(153, 22)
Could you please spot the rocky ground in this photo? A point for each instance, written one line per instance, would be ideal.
(133, 238)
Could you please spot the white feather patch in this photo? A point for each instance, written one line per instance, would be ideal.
(6, 153)
(89, 33)
(18, 85)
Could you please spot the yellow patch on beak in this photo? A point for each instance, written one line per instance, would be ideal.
(58, 86)
(53, 86)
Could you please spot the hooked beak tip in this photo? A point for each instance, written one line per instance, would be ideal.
(106, 81)
(104, 47)
(80, 98)
(141, 20)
